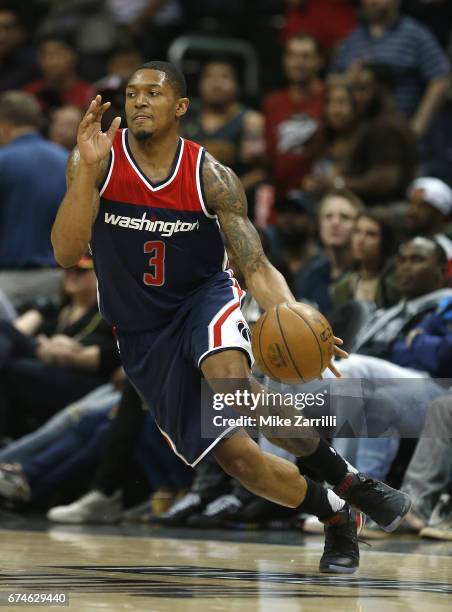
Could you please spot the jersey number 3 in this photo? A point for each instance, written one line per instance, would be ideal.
(156, 277)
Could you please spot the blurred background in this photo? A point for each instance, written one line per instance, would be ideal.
(337, 117)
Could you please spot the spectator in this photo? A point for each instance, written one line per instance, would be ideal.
(60, 84)
(292, 237)
(232, 133)
(70, 354)
(328, 20)
(372, 279)
(430, 207)
(17, 60)
(123, 62)
(411, 340)
(392, 392)
(428, 477)
(152, 24)
(32, 184)
(338, 212)
(112, 89)
(63, 126)
(39, 473)
(382, 160)
(333, 145)
(435, 14)
(422, 67)
(24, 448)
(292, 115)
(421, 271)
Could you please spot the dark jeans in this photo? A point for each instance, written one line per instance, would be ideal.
(79, 447)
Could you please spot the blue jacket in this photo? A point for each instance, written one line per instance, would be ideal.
(431, 349)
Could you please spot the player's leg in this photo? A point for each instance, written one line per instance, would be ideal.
(278, 480)
(384, 505)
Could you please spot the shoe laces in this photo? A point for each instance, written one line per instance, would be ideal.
(373, 489)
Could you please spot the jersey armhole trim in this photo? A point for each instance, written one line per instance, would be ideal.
(200, 185)
(111, 160)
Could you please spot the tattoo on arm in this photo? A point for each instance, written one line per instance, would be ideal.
(71, 167)
(225, 196)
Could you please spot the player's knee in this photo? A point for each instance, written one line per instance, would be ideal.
(244, 465)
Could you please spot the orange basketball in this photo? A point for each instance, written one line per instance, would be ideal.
(292, 343)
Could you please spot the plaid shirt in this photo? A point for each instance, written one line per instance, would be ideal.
(408, 47)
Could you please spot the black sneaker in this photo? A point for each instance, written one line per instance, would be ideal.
(341, 552)
(215, 513)
(179, 512)
(383, 504)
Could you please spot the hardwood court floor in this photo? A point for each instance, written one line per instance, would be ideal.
(151, 572)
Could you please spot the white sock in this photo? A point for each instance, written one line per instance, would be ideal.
(335, 502)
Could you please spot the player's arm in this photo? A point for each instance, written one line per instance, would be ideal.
(225, 196)
(71, 232)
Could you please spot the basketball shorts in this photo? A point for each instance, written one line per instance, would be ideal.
(164, 364)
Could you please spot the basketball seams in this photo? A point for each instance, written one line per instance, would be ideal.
(261, 354)
(286, 345)
(313, 333)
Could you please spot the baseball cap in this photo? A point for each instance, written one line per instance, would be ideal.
(436, 192)
(298, 201)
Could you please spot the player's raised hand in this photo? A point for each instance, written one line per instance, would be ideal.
(94, 145)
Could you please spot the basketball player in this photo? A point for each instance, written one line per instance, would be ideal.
(150, 205)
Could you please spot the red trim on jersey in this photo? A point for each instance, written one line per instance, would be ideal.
(219, 324)
(180, 191)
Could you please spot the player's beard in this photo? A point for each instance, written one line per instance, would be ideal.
(143, 135)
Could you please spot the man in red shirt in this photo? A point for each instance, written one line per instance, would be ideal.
(329, 20)
(60, 84)
(292, 115)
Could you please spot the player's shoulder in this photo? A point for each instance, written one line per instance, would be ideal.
(213, 171)
(220, 183)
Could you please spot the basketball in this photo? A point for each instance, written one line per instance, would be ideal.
(292, 343)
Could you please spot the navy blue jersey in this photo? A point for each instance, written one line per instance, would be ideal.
(154, 244)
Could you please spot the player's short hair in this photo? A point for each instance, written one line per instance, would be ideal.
(19, 109)
(173, 75)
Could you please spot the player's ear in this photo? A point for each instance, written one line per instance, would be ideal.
(182, 107)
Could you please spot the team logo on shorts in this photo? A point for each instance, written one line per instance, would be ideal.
(244, 330)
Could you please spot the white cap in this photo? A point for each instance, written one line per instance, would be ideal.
(436, 193)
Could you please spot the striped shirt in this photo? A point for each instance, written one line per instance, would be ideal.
(408, 47)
